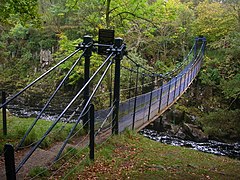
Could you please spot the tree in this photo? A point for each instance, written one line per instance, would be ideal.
(214, 21)
(24, 10)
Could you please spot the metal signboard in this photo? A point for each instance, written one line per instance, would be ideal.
(105, 37)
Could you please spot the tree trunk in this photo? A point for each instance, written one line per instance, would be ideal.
(108, 13)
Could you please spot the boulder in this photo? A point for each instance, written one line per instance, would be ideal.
(179, 124)
(194, 132)
(45, 58)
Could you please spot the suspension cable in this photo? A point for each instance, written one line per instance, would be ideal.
(85, 107)
(151, 72)
(133, 70)
(59, 117)
(51, 98)
(166, 74)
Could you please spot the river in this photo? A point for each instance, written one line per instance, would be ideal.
(210, 146)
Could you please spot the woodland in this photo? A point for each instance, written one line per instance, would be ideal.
(36, 34)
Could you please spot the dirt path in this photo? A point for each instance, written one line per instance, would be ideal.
(44, 157)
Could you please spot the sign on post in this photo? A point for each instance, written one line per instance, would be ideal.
(106, 37)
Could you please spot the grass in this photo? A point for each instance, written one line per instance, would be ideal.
(40, 171)
(131, 156)
(16, 128)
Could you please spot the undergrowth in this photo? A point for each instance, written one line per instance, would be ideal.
(222, 124)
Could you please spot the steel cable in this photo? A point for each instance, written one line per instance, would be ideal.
(59, 117)
(50, 99)
(86, 105)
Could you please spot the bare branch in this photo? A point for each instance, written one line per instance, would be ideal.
(136, 16)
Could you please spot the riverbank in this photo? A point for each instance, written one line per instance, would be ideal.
(132, 156)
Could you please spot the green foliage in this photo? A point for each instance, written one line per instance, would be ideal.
(210, 74)
(222, 124)
(210, 77)
(161, 67)
(231, 88)
(232, 45)
(19, 32)
(66, 47)
(24, 10)
(20, 54)
(214, 20)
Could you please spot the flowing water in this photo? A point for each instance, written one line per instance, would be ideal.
(52, 113)
(27, 111)
(210, 146)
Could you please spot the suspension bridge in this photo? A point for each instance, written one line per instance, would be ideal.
(151, 95)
